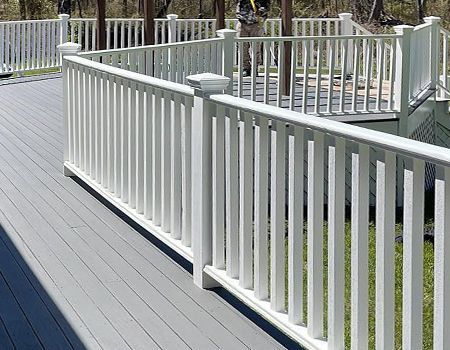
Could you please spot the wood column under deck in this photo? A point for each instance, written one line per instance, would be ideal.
(286, 30)
(101, 25)
(149, 22)
(220, 14)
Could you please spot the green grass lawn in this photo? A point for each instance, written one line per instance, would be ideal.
(39, 72)
(428, 287)
(35, 72)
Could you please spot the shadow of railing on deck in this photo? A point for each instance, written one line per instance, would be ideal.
(29, 318)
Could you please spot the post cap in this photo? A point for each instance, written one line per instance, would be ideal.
(403, 29)
(345, 15)
(63, 16)
(172, 16)
(432, 19)
(69, 49)
(208, 83)
(226, 33)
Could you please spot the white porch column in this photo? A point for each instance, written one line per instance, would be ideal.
(205, 84)
(227, 53)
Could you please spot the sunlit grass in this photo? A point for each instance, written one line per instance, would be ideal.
(428, 286)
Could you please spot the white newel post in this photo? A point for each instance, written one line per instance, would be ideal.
(402, 76)
(434, 49)
(67, 49)
(347, 29)
(63, 28)
(172, 27)
(205, 85)
(228, 47)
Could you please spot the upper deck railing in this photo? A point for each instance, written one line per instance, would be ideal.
(25, 44)
(324, 52)
(329, 74)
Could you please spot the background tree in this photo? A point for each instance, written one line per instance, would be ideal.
(375, 13)
(377, 10)
(420, 10)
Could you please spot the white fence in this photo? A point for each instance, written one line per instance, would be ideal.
(328, 74)
(125, 33)
(171, 62)
(117, 136)
(424, 55)
(148, 145)
(31, 45)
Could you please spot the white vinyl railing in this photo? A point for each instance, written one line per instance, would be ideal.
(444, 69)
(31, 45)
(207, 173)
(171, 62)
(130, 135)
(126, 33)
(329, 74)
(40, 38)
(121, 33)
(423, 47)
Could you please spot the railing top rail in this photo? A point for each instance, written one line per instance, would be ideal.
(148, 47)
(393, 143)
(132, 76)
(422, 26)
(361, 28)
(196, 19)
(318, 37)
(32, 21)
(297, 19)
(112, 19)
(445, 31)
(315, 19)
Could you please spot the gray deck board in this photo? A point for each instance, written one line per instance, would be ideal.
(311, 93)
(40, 318)
(17, 325)
(84, 273)
(5, 340)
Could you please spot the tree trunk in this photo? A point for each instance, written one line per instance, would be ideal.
(23, 9)
(220, 14)
(64, 7)
(420, 10)
(360, 10)
(162, 13)
(80, 12)
(377, 10)
(125, 8)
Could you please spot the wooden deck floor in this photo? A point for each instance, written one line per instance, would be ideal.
(73, 274)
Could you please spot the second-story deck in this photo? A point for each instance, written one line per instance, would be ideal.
(75, 275)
